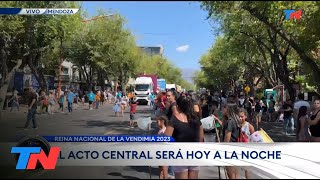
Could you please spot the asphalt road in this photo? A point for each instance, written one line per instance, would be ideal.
(84, 122)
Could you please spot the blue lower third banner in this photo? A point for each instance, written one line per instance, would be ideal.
(113, 138)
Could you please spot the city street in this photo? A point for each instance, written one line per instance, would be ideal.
(94, 122)
(263, 58)
(82, 122)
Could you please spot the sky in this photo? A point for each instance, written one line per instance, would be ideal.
(180, 27)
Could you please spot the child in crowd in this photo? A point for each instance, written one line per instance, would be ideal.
(117, 108)
(247, 129)
(165, 171)
(133, 110)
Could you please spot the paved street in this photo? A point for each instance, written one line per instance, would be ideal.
(85, 122)
(81, 122)
(274, 130)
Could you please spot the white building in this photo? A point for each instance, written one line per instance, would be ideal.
(70, 70)
(69, 75)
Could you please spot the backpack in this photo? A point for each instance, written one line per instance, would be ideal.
(243, 138)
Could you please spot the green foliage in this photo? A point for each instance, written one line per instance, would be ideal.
(257, 30)
(219, 66)
(101, 48)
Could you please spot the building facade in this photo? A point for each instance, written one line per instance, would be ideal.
(152, 50)
(70, 76)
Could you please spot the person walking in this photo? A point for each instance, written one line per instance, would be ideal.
(32, 109)
(152, 98)
(70, 100)
(52, 102)
(231, 133)
(257, 112)
(314, 122)
(91, 97)
(185, 126)
(165, 171)
(14, 101)
(247, 129)
(302, 125)
(296, 107)
(133, 109)
(287, 110)
(98, 99)
(117, 108)
(61, 101)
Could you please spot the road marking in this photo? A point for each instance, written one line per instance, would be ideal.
(110, 132)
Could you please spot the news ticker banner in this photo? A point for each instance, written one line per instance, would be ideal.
(110, 138)
(282, 160)
(38, 11)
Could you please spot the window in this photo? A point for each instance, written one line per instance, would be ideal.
(65, 70)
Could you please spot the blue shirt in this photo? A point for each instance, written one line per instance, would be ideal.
(152, 97)
(61, 99)
(71, 95)
(91, 96)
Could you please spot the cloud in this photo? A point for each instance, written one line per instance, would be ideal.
(183, 48)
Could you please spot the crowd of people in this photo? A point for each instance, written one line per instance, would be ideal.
(50, 102)
(179, 116)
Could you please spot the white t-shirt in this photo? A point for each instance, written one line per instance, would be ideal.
(161, 131)
(300, 103)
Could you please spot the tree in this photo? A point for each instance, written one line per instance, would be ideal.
(300, 35)
(220, 67)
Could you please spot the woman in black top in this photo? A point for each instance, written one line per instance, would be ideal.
(314, 122)
(171, 108)
(185, 126)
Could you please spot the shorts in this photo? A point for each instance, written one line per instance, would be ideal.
(90, 102)
(257, 113)
(180, 169)
(132, 117)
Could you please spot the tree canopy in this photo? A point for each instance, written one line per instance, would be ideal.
(102, 49)
(266, 44)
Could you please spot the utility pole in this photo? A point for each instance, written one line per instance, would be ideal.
(60, 67)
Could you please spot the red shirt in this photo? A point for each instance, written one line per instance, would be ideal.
(133, 108)
(163, 99)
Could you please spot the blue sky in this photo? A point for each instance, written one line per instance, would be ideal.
(171, 24)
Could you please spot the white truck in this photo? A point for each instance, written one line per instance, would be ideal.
(171, 86)
(142, 89)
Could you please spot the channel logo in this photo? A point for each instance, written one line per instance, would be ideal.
(35, 153)
(29, 157)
